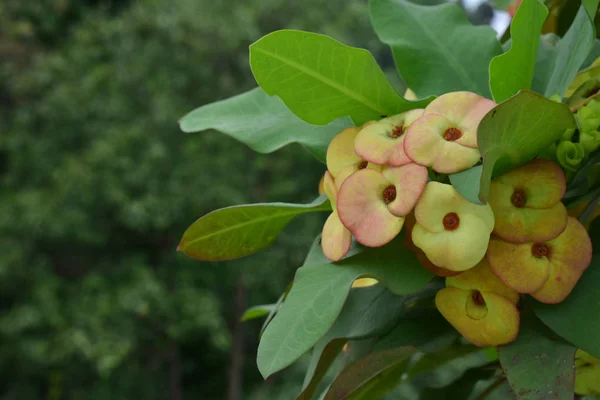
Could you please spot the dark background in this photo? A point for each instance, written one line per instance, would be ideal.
(97, 184)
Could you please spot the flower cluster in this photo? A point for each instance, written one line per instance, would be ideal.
(521, 242)
(377, 173)
(535, 248)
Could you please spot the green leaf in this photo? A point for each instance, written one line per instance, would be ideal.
(367, 312)
(575, 319)
(258, 311)
(321, 360)
(573, 49)
(585, 179)
(501, 4)
(239, 231)
(436, 49)
(436, 370)
(515, 131)
(594, 54)
(321, 79)
(363, 374)
(513, 70)
(274, 311)
(319, 292)
(544, 64)
(417, 331)
(536, 366)
(467, 183)
(263, 123)
(459, 389)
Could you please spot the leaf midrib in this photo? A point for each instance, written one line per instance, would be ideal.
(327, 81)
(254, 220)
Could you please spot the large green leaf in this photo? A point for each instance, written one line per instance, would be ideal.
(576, 318)
(263, 123)
(515, 131)
(536, 366)
(367, 312)
(367, 372)
(239, 231)
(321, 79)
(436, 49)
(513, 70)
(467, 183)
(318, 294)
(573, 49)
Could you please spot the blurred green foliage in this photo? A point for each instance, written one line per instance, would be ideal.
(97, 184)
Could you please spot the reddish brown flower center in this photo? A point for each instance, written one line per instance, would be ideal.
(363, 164)
(518, 198)
(397, 132)
(452, 134)
(540, 250)
(478, 298)
(389, 194)
(451, 221)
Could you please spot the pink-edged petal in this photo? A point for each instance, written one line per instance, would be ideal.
(471, 122)
(424, 138)
(455, 106)
(464, 110)
(570, 256)
(410, 181)
(454, 157)
(363, 210)
(336, 239)
(330, 189)
(382, 142)
(515, 265)
(340, 152)
(350, 169)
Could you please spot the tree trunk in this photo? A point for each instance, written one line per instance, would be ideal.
(174, 372)
(236, 361)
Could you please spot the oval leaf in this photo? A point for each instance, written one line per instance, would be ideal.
(436, 49)
(319, 293)
(321, 79)
(239, 231)
(513, 70)
(263, 123)
(537, 367)
(515, 131)
(575, 319)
